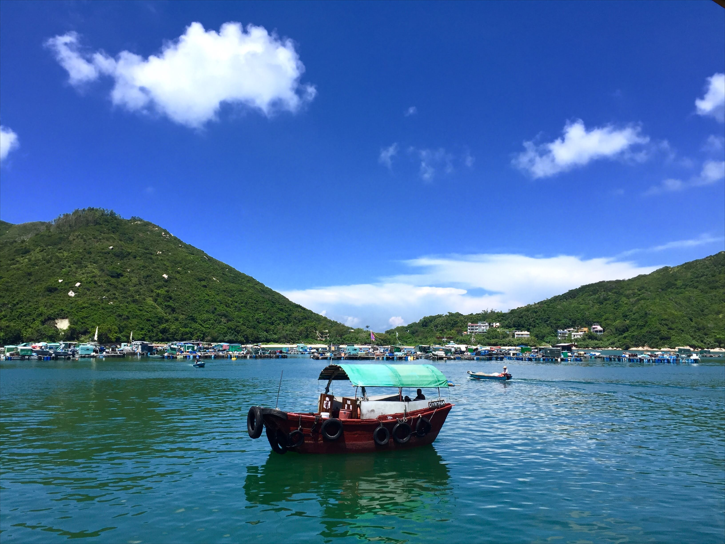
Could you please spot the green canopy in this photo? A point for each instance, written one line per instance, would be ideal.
(386, 375)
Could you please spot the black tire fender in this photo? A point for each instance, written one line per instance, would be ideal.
(295, 439)
(278, 440)
(381, 436)
(255, 422)
(331, 429)
(422, 427)
(404, 429)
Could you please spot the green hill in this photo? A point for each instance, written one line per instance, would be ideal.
(673, 306)
(120, 265)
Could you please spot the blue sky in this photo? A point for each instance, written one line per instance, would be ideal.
(379, 161)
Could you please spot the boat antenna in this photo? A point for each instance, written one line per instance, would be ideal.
(276, 404)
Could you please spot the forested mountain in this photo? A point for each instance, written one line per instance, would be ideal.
(135, 276)
(131, 275)
(672, 306)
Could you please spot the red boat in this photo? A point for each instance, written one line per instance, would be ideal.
(360, 423)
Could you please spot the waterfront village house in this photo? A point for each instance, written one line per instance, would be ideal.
(574, 333)
(522, 334)
(597, 329)
(477, 328)
(563, 333)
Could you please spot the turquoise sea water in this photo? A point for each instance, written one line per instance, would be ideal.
(154, 451)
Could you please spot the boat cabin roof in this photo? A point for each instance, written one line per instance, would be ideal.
(370, 375)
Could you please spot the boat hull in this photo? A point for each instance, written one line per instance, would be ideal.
(480, 376)
(357, 435)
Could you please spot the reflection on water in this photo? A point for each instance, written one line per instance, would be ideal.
(157, 451)
(353, 489)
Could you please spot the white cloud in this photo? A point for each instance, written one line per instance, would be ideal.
(190, 79)
(8, 142)
(468, 159)
(396, 321)
(703, 239)
(67, 53)
(714, 144)
(432, 162)
(713, 103)
(669, 185)
(712, 172)
(444, 284)
(351, 321)
(412, 110)
(578, 147)
(387, 154)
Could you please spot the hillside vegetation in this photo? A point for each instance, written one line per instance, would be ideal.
(136, 276)
(120, 265)
(673, 306)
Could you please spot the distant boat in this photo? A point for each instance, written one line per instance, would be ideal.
(87, 350)
(483, 376)
(199, 364)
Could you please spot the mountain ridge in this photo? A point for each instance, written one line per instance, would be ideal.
(671, 306)
(133, 275)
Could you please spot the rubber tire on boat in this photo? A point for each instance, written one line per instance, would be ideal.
(423, 427)
(381, 441)
(255, 422)
(408, 432)
(278, 440)
(295, 439)
(325, 430)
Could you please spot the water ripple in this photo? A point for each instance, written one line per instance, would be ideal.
(150, 451)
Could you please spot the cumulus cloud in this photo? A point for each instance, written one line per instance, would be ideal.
(67, 53)
(412, 110)
(8, 142)
(578, 147)
(461, 283)
(387, 154)
(192, 76)
(396, 321)
(712, 172)
(351, 321)
(713, 103)
(714, 144)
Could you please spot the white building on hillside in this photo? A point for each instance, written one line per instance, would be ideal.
(597, 329)
(563, 333)
(477, 328)
(522, 334)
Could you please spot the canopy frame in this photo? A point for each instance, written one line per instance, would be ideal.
(380, 375)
